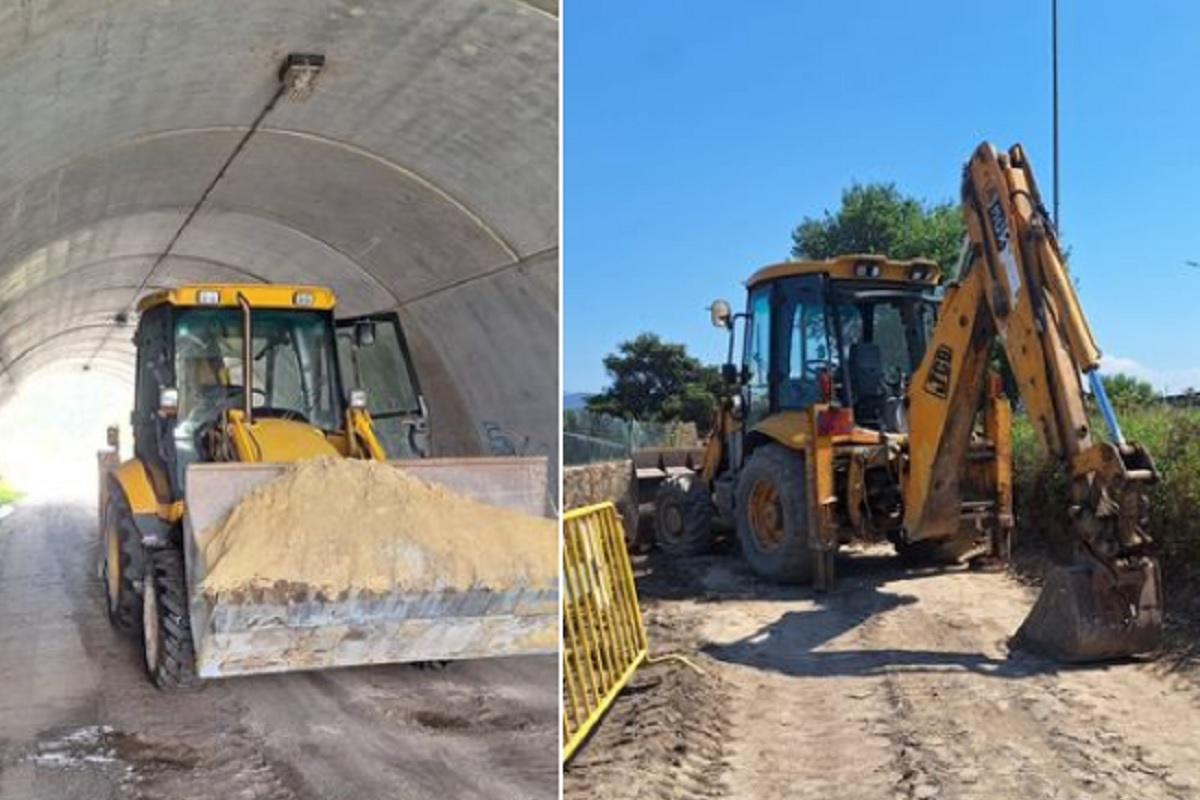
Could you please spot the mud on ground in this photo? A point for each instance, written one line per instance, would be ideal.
(897, 685)
(79, 720)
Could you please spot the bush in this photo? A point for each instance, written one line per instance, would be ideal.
(1172, 436)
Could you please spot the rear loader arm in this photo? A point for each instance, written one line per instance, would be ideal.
(1013, 287)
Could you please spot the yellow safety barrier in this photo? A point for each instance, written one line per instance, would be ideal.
(604, 639)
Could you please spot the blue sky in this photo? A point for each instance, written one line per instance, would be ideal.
(697, 134)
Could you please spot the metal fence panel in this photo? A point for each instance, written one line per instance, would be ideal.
(604, 638)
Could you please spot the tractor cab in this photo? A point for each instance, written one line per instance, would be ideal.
(847, 332)
(307, 370)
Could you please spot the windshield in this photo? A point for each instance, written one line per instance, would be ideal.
(292, 357)
(898, 322)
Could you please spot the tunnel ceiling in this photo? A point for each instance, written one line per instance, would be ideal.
(420, 175)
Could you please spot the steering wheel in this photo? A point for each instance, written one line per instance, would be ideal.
(274, 412)
(265, 411)
(235, 393)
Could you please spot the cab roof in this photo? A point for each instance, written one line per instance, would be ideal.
(225, 295)
(855, 267)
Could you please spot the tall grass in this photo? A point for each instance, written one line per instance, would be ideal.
(1172, 436)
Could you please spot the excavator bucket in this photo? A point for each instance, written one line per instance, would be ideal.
(1086, 614)
(282, 629)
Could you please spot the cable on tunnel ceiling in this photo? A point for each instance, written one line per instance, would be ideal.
(297, 75)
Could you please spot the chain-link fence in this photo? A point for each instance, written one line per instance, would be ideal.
(589, 437)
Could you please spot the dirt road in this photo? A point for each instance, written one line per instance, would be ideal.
(79, 720)
(897, 685)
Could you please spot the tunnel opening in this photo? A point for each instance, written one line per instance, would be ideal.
(53, 425)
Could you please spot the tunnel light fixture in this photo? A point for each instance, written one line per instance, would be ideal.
(303, 299)
(298, 74)
(208, 297)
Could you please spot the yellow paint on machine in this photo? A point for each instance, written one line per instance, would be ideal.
(259, 295)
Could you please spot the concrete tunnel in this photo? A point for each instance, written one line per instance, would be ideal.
(419, 175)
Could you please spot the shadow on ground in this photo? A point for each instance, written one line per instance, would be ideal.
(869, 586)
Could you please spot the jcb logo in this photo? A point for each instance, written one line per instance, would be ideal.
(937, 383)
(999, 223)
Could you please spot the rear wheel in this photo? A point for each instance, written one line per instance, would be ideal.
(772, 515)
(166, 627)
(121, 567)
(683, 515)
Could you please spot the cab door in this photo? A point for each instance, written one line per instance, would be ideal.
(373, 356)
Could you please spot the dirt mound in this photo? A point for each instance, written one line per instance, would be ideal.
(342, 525)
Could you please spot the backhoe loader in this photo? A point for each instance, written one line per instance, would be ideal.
(865, 404)
(233, 384)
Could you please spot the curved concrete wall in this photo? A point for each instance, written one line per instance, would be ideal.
(420, 175)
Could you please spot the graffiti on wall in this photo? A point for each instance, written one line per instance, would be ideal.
(502, 442)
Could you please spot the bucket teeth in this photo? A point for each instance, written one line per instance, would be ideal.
(1084, 614)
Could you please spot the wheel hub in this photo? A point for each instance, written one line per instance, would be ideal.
(765, 515)
(672, 521)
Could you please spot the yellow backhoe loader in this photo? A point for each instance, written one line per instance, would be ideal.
(233, 384)
(864, 402)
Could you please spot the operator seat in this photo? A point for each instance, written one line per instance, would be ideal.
(866, 381)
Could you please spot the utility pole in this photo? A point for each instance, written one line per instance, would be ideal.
(1054, 70)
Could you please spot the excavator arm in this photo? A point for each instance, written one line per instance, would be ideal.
(1013, 288)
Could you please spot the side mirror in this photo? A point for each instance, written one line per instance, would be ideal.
(721, 314)
(729, 373)
(364, 333)
(358, 398)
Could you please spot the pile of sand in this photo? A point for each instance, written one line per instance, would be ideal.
(339, 525)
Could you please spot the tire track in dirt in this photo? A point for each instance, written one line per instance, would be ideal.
(78, 719)
(1012, 726)
(899, 685)
(665, 736)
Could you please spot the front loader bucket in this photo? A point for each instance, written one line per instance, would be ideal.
(1085, 614)
(282, 629)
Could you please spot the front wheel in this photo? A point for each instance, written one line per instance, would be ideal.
(683, 514)
(121, 567)
(166, 626)
(772, 515)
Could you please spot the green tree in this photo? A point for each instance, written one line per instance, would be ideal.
(1126, 391)
(657, 381)
(877, 218)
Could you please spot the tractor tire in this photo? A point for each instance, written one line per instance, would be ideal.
(683, 513)
(772, 515)
(121, 567)
(166, 627)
